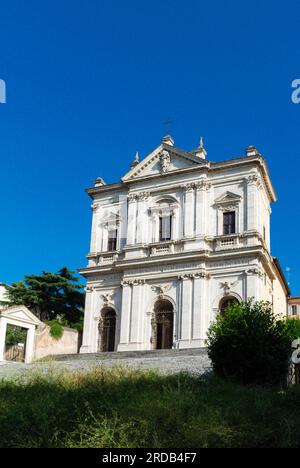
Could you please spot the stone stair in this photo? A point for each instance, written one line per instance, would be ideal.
(163, 353)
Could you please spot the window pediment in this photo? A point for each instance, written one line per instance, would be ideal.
(228, 200)
(111, 220)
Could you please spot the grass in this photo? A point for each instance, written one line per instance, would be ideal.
(124, 408)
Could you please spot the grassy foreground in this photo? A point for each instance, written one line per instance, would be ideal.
(122, 408)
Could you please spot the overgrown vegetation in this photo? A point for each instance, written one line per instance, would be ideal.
(122, 408)
(249, 344)
(56, 329)
(50, 295)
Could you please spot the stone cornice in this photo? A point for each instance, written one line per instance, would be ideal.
(122, 265)
(205, 168)
(259, 161)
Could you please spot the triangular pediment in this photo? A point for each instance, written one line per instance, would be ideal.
(228, 197)
(163, 160)
(20, 314)
(110, 218)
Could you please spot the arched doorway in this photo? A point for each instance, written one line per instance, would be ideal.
(227, 302)
(163, 324)
(107, 330)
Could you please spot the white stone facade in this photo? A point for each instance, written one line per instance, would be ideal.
(190, 234)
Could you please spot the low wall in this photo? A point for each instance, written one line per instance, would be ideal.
(46, 345)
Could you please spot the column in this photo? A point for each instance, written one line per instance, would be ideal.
(155, 226)
(252, 205)
(89, 323)
(3, 325)
(197, 307)
(123, 221)
(175, 224)
(253, 284)
(136, 322)
(142, 218)
(189, 211)
(186, 308)
(131, 219)
(104, 238)
(202, 188)
(125, 316)
(95, 244)
(29, 354)
(204, 306)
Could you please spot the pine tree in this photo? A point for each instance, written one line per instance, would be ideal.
(49, 295)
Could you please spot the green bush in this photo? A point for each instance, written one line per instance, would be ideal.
(292, 326)
(56, 329)
(249, 344)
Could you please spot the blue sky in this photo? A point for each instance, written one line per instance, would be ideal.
(89, 83)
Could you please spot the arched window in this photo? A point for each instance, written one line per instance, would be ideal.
(227, 302)
(163, 325)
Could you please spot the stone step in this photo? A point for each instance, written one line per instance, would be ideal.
(162, 353)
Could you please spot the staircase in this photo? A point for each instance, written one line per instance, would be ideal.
(161, 354)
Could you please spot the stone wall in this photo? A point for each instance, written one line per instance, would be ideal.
(46, 345)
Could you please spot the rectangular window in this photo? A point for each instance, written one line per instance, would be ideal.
(165, 228)
(229, 223)
(112, 240)
(294, 310)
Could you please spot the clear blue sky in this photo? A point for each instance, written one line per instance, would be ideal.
(90, 82)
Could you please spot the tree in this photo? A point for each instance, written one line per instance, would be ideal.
(250, 344)
(49, 295)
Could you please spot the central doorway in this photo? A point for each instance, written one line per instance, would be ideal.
(163, 324)
(107, 330)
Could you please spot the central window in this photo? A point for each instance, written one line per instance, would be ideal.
(165, 228)
(229, 223)
(112, 240)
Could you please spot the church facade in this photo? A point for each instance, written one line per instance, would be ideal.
(176, 241)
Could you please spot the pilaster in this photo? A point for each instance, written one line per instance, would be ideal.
(189, 201)
(202, 187)
(3, 326)
(186, 308)
(90, 328)
(125, 316)
(254, 182)
(142, 218)
(131, 229)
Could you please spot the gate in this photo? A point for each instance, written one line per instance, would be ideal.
(15, 352)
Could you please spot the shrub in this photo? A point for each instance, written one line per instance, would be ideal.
(56, 329)
(292, 326)
(249, 344)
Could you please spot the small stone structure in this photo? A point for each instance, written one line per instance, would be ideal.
(39, 342)
(19, 316)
